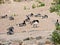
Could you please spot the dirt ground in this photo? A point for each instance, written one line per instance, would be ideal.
(45, 26)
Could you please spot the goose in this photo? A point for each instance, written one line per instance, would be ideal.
(28, 19)
(4, 16)
(30, 15)
(22, 24)
(57, 22)
(10, 30)
(35, 22)
(38, 15)
(45, 16)
(11, 18)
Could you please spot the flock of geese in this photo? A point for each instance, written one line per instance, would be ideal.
(34, 22)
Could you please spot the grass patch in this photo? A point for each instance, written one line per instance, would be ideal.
(42, 4)
(1, 2)
(55, 7)
(53, 3)
(56, 37)
(52, 9)
(57, 25)
(33, 6)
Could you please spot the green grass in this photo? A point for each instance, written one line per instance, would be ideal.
(1, 2)
(56, 37)
(55, 7)
(53, 3)
(42, 4)
(33, 6)
(57, 25)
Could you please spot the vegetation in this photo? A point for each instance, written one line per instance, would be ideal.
(57, 1)
(1, 1)
(14, 14)
(33, 6)
(57, 25)
(56, 34)
(42, 4)
(56, 37)
(55, 7)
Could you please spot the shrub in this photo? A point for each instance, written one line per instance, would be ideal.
(57, 25)
(57, 1)
(52, 9)
(53, 3)
(55, 37)
(1, 2)
(58, 28)
(55, 7)
(33, 6)
(42, 4)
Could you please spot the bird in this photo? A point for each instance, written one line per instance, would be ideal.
(45, 16)
(4, 16)
(22, 24)
(10, 30)
(27, 19)
(38, 15)
(35, 22)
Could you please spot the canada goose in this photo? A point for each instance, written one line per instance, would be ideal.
(4, 16)
(30, 15)
(28, 19)
(10, 30)
(35, 22)
(28, 38)
(22, 24)
(11, 18)
(57, 22)
(38, 15)
(38, 38)
(45, 16)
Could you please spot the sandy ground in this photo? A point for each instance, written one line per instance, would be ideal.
(46, 26)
